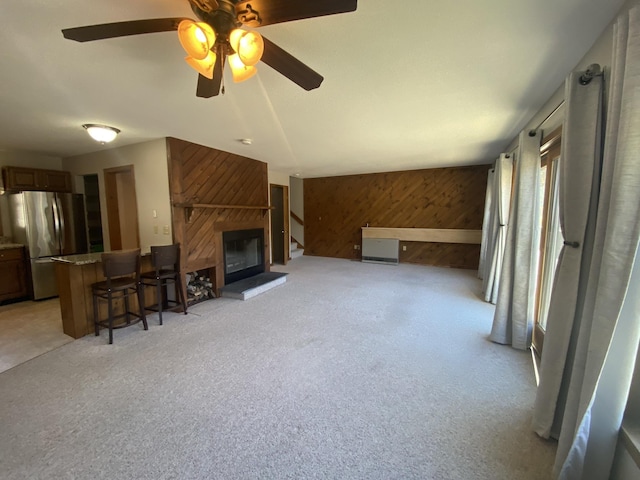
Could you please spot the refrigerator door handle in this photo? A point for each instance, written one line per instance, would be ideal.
(59, 214)
(56, 222)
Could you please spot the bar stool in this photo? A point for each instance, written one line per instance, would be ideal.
(165, 260)
(122, 272)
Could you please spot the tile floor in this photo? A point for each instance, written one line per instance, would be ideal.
(29, 329)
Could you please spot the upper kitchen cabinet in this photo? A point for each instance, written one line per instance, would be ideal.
(22, 178)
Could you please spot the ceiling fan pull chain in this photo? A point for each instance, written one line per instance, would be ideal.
(222, 55)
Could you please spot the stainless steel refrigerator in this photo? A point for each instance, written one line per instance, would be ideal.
(49, 225)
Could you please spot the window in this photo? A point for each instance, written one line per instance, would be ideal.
(551, 237)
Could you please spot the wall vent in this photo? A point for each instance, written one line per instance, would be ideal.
(381, 250)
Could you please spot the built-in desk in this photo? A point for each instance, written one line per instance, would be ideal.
(427, 246)
(435, 235)
(74, 276)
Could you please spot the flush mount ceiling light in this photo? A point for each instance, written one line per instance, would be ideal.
(101, 133)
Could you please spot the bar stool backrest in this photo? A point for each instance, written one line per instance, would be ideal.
(121, 263)
(166, 257)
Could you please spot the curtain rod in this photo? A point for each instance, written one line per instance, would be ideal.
(593, 70)
(532, 132)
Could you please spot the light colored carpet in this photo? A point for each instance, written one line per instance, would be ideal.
(347, 371)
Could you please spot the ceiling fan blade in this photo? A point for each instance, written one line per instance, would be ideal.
(121, 29)
(256, 13)
(289, 66)
(208, 88)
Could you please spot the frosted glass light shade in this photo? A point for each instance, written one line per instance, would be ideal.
(101, 133)
(234, 38)
(240, 71)
(196, 38)
(204, 67)
(248, 45)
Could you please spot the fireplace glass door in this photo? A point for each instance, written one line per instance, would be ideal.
(243, 254)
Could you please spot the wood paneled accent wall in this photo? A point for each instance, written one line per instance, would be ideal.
(203, 175)
(335, 209)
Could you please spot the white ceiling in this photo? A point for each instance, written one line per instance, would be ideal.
(413, 84)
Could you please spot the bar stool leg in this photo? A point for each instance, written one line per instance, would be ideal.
(160, 300)
(110, 309)
(127, 308)
(181, 293)
(95, 315)
(143, 316)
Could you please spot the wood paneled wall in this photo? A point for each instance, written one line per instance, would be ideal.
(203, 175)
(335, 209)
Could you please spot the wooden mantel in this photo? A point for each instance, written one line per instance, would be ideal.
(190, 206)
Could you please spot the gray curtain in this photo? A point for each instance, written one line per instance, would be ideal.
(499, 184)
(593, 330)
(580, 163)
(487, 227)
(515, 306)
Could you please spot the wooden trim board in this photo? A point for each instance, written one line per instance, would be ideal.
(435, 235)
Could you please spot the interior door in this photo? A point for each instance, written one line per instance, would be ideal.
(122, 209)
(279, 224)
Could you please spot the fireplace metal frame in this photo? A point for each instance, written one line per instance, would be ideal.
(234, 235)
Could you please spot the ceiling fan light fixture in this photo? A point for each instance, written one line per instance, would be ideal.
(204, 67)
(101, 133)
(196, 38)
(234, 38)
(248, 45)
(239, 70)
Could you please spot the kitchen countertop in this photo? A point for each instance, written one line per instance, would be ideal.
(5, 246)
(81, 259)
(88, 258)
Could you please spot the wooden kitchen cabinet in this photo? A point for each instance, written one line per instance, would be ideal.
(23, 178)
(13, 274)
(54, 180)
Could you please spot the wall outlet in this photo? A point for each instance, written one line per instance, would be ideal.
(356, 247)
(404, 248)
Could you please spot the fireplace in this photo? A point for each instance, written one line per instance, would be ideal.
(243, 254)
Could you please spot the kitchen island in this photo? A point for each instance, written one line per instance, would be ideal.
(74, 275)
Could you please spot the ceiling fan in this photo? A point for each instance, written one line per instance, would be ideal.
(218, 37)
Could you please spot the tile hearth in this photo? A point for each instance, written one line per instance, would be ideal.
(252, 286)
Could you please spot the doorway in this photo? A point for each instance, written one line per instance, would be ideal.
(122, 207)
(92, 209)
(279, 224)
